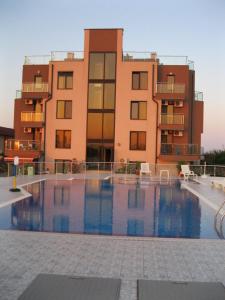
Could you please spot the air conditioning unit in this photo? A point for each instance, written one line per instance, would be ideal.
(178, 104)
(27, 130)
(164, 102)
(29, 101)
(178, 133)
(164, 132)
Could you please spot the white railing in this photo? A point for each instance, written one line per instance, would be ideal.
(22, 145)
(175, 119)
(37, 60)
(35, 87)
(165, 87)
(28, 116)
(198, 96)
(67, 55)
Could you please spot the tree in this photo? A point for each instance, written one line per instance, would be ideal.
(215, 157)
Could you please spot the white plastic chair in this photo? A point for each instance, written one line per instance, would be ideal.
(145, 169)
(186, 172)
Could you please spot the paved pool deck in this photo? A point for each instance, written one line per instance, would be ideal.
(23, 255)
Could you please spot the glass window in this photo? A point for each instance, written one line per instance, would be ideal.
(138, 110)
(38, 81)
(139, 80)
(65, 80)
(109, 95)
(96, 68)
(64, 109)
(110, 65)
(63, 139)
(108, 126)
(94, 126)
(95, 96)
(137, 140)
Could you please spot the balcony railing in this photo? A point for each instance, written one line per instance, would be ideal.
(175, 119)
(18, 94)
(67, 55)
(35, 88)
(30, 116)
(180, 149)
(165, 87)
(199, 96)
(37, 60)
(22, 145)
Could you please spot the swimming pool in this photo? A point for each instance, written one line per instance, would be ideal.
(105, 208)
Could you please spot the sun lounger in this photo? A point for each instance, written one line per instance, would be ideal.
(145, 169)
(171, 290)
(62, 287)
(186, 172)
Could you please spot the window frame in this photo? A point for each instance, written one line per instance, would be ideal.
(64, 109)
(139, 80)
(138, 146)
(65, 87)
(138, 102)
(64, 130)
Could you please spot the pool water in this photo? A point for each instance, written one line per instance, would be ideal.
(104, 208)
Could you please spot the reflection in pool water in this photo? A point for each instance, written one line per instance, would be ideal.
(98, 207)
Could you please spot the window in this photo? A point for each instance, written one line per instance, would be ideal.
(102, 66)
(139, 80)
(38, 81)
(100, 126)
(101, 96)
(65, 80)
(137, 140)
(138, 110)
(63, 139)
(64, 109)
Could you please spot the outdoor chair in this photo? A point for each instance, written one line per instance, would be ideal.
(145, 169)
(186, 172)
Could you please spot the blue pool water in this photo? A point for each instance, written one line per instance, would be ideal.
(103, 208)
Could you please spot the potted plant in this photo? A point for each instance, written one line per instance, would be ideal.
(138, 167)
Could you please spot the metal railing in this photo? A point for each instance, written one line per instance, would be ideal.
(165, 87)
(175, 119)
(22, 145)
(18, 94)
(198, 96)
(210, 170)
(67, 55)
(37, 60)
(30, 116)
(35, 87)
(180, 149)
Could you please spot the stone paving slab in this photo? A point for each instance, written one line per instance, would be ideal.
(23, 255)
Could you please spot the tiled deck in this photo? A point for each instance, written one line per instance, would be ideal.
(23, 255)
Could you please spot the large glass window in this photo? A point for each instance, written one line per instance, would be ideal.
(64, 109)
(109, 95)
(63, 139)
(95, 96)
(138, 110)
(96, 67)
(94, 126)
(110, 66)
(100, 126)
(139, 80)
(65, 80)
(137, 140)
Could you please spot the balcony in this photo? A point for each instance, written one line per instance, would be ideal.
(35, 88)
(22, 148)
(172, 122)
(174, 152)
(30, 116)
(165, 90)
(198, 96)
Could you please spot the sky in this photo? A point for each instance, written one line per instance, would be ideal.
(195, 28)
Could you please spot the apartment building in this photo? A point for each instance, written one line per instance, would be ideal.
(105, 104)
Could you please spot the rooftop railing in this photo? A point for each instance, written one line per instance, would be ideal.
(37, 60)
(180, 149)
(30, 116)
(199, 96)
(175, 119)
(35, 88)
(22, 145)
(67, 55)
(165, 87)
(18, 94)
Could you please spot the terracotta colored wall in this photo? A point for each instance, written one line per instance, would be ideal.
(102, 40)
(124, 96)
(77, 124)
(29, 71)
(198, 113)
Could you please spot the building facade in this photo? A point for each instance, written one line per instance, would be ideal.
(105, 105)
(5, 134)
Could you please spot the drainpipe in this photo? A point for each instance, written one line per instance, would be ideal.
(157, 113)
(48, 99)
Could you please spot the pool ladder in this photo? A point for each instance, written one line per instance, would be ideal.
(220, 215)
